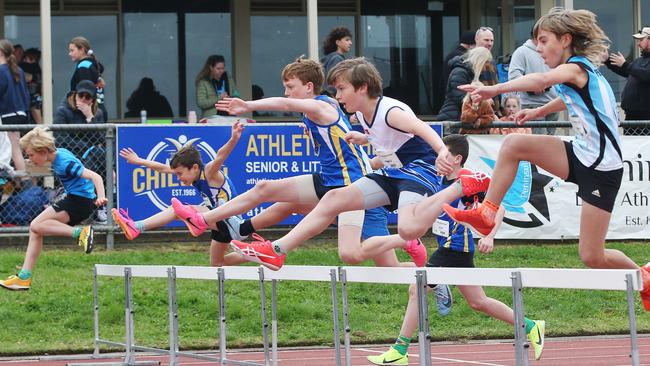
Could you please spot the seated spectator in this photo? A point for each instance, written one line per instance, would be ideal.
(213, 84)
(147, 98)
(511, 105)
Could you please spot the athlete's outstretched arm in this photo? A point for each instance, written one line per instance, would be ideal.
(317, 111)
(215, 165)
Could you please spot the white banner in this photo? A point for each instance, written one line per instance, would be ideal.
(542, 206)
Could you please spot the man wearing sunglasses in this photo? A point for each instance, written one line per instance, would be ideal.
(636, 94)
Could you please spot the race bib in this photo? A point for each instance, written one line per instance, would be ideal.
(440, 228)
(390, 159)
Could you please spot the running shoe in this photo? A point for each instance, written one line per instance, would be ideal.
(192, 218)
(259, 251)
(233, 223)
(390, 357)
(473, 182)
(645, 293)
(417, 251)
(125, 223)
(473, 218)
(86, 238)
(444, 299)
(536, 337)
(14, 283)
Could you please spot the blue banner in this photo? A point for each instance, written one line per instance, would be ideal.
(265, 151)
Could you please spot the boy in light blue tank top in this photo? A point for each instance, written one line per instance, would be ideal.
(84, 193)
(572, 45)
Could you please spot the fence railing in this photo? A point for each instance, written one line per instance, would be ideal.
(94, 145)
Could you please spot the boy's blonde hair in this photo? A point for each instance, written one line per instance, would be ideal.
(587, 38)
(357, 71)
(39, 139)
(306, 71)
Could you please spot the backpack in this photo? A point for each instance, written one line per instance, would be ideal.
(22, 207)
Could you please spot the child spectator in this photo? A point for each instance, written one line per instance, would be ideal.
(511, 106)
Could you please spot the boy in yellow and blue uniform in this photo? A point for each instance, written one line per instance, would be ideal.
(456, 249)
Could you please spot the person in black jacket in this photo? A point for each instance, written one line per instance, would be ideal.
(335, 46)
(467, 42)
(147, 98)
(87, 67)
(636, 94)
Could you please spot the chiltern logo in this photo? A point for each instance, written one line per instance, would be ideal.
(525, 202)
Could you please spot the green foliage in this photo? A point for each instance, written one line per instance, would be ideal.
(56, 315)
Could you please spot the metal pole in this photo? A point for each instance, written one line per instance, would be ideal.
(110, 185)
(346, 316)
(521, 346)
(424, 336)
(630, 308)
(173, 316)
(129, 358)
(46, 52)
(96, 312)
(335, 316)
(274, 322)
(265, 324)
(312, 29)
(222, 317)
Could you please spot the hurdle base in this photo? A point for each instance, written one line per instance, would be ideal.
(136, 363)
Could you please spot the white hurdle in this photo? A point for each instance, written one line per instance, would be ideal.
(516, 278)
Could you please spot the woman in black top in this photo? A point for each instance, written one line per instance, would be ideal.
(14, 99)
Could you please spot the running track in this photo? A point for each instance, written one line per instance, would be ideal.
(580, 351)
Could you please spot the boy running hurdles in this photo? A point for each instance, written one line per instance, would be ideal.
(341, 164)
(571, 43)
(404, 142)
(211, 183)
(84, 193)
(456, 249)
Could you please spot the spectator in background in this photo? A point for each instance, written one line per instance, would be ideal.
(87, 67)
(467, 42)
(525, 60)
(33, 76)
(14, 103)
(635, 98)
(212, 84)
(147, 98)
(485, 38)
(511, 106)
(465, 69)
(19, 52)
(335, 46)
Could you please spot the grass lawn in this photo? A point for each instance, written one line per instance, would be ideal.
(56, 315)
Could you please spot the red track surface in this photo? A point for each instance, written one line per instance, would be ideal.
(581, 351)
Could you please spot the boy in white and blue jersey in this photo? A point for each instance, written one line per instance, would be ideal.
(456, 249)
(572, 44)
(341, 163)
(84, 193)
(214, 186)
(407, 147)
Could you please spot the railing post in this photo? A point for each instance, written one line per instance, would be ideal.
(424, 335)
(346, 317)
(335, 316)
(110, 185)
(630, 308)
(173, 316)
(521, 347)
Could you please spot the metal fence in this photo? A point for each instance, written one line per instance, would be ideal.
(94, 145)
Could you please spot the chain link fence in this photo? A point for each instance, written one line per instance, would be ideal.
(25, 194)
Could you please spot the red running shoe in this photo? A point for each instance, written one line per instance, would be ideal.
(417, 251)
(125, 223)
(259, 251)
(473, 218)
(645, 293)
(192, 218)
(473, 182)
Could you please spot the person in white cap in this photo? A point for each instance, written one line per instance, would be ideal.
(636, 94)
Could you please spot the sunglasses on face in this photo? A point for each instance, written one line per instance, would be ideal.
(85, 96)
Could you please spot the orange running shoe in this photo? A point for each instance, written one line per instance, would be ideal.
(473, 218)
(259, 251)
(125, 223)
(645, 293)
(473, 182)
(417, 251)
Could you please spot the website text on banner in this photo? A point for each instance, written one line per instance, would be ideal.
(542, 206)
(265, 151)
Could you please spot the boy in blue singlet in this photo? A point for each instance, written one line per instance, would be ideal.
(571, 44)
(456, 249)
(341, 164)
(211, 183)
(84, 193)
